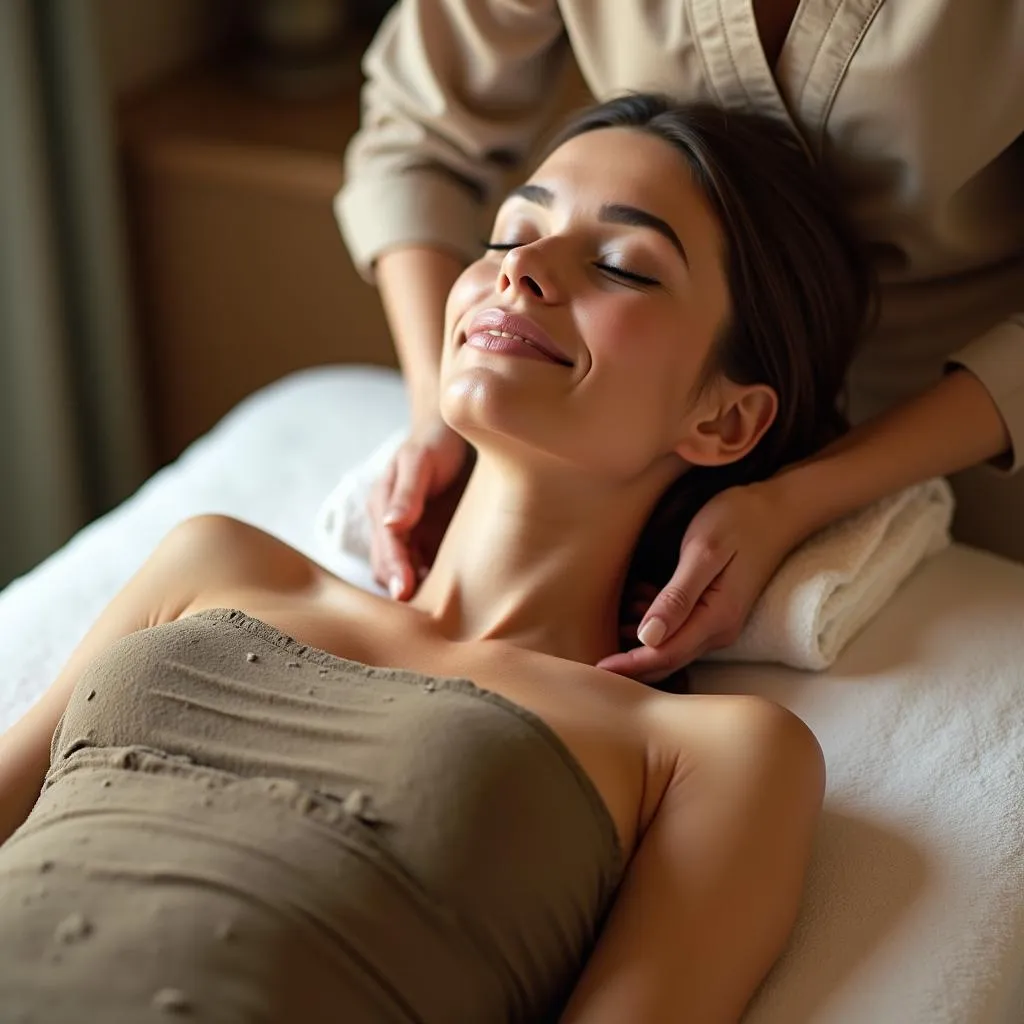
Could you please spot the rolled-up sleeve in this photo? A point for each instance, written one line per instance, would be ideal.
(996, 358)
(456, 92)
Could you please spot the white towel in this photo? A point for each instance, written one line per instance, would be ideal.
(825, 592)
(831, 586)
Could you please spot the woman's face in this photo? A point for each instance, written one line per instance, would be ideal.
(607, 268)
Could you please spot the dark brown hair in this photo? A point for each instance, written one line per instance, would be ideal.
(799, 287)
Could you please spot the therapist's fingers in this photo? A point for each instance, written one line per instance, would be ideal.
(401, 578)
(375, 505)
(700, 563)
(702, 632)
(413, 474)
(389, 551)
(392, 562)
(413, 471)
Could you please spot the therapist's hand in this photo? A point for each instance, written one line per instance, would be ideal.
(729, 553)
(411, 505)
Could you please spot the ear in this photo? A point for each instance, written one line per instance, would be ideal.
(729, 424)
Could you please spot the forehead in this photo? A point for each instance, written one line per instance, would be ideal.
(631, 166)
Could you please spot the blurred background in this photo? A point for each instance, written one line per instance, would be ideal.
(167, 240)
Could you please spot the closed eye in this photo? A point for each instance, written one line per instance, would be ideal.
(627, 275)
(607, 268)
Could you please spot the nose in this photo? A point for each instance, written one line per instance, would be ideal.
(528, 270)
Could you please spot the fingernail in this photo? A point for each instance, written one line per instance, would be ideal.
(395, 586)
(392, 516)
(652, 632)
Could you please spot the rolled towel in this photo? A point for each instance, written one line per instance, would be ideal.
(834, 583)
(822, 595)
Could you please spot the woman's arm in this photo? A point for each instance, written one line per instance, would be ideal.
(155, 594)
(712, 891)
(202, 555)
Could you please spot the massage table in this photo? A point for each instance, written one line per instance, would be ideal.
(914, 906)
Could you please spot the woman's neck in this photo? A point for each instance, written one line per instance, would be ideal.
(538, 558)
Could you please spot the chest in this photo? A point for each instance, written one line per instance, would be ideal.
(602, 720)
(773, 19)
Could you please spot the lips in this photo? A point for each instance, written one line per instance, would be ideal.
(518, 327)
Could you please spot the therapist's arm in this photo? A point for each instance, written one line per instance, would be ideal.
(414, 283)
(736, 542)
(953, 425)
(974, 414)
(456, 94)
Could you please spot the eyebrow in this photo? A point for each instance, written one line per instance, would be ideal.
(610, 213)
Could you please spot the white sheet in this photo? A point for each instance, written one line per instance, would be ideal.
(914, 912)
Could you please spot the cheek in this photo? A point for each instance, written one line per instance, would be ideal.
(475, 282)
(645, 340)
(646, 358)
(631, 338)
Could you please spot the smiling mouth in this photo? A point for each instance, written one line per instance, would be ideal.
(502, 331)
(526, 341)
(509, 343)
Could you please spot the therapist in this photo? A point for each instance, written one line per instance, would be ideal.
(916, 109)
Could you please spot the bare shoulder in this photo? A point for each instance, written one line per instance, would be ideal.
(713, 889)
(214, 554)
(713, 728)
(201, 556)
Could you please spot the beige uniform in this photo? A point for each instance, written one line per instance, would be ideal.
(917, 108)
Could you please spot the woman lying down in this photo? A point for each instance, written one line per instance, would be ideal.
(226, 809)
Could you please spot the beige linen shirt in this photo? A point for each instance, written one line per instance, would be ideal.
(915, 106)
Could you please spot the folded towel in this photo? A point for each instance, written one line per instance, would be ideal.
(825, 592)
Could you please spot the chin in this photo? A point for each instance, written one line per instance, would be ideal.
(491, 411)
(499, 411)
(479, 400)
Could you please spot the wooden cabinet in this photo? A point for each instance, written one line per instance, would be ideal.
(238, 267)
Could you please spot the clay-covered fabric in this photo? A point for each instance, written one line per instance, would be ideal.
(238, 827)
